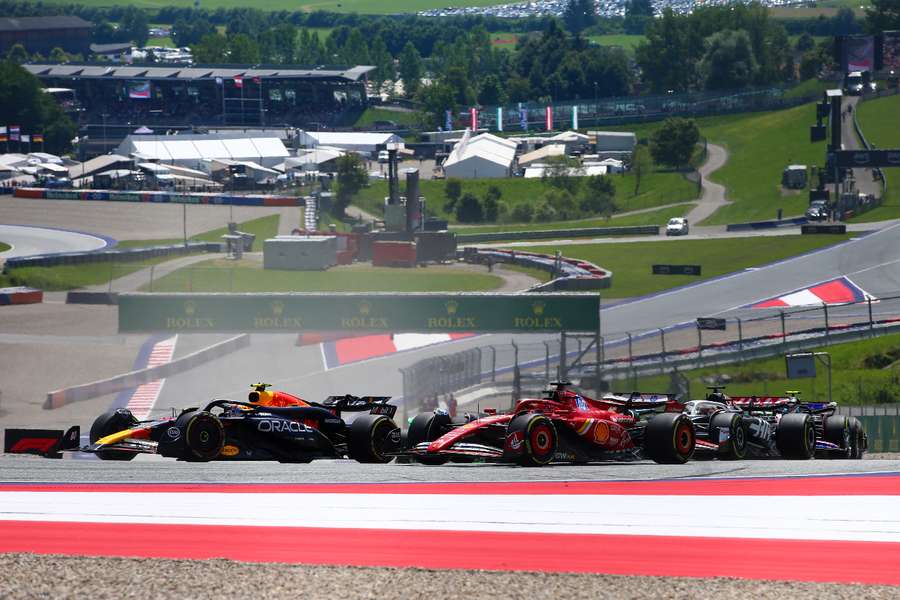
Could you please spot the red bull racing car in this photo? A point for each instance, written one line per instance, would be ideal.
(270, 425)
(736, 427)
(562, 426)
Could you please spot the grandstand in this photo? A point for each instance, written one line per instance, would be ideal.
(112, 100)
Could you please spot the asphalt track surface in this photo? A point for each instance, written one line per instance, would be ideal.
(27, 240)
(157, 470)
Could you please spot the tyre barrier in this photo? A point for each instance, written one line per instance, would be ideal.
(109, 298)
(766, 224)
(20, 295)
(159, 197)
(571, 274)
(133, 379)
(473, 238)
(113, 255)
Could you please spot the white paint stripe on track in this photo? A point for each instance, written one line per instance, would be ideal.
(145, 396)
(859, 518)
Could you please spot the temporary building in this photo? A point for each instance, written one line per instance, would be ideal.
(482, 156)
(321, 158)
(196, 150)
(542, 154)
(615, 141)
(351, 141)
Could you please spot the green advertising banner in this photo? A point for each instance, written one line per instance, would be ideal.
(359, 312)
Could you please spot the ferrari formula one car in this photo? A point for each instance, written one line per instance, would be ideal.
(271, 425)
(561, 426)
(742, 426)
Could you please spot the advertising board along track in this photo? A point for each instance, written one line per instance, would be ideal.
(421, 312)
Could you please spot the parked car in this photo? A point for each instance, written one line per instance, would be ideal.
(677, 226)
(817, 211)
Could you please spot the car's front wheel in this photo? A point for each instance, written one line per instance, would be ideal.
(110, 422)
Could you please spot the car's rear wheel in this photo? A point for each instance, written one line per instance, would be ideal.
(427, 427)
(669, 438)
(204, 436)
(110, 422)
(858, 440)
(795, 436)
(837, 431)
(369, 437)
(540, 439)
(735, 447)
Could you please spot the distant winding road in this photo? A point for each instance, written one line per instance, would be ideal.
(27, 240)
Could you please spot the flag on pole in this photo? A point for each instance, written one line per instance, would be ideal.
(549, 118)
(257, 80)
(238, 81)
(219, 81)
(3, 134)
(523, 118)
(474, 113)
(575, 117)
(14, 133)
(26, 138)
(448, 122)
(38, 138)
(499, 118)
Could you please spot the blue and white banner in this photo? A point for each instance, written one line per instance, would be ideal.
(499, 118)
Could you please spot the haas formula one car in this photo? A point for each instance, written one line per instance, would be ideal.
(271, 425)
(562, 426)
(741, 426)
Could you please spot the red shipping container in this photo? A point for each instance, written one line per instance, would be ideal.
(394, 254)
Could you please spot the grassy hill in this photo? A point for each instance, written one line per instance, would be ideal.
(631, 262)
(760, 146)
(880, 122)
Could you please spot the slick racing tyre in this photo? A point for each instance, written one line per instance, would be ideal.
(108, 423)
(427, 427)
(734, 445)
(795, 436)
(204, 436)
(370, 436)
(858, 441)
(539, 437)
(837, 431)
(669, 438)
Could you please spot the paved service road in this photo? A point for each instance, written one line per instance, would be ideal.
(26, 240)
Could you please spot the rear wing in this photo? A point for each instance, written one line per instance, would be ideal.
(377, 405)
(644, 400)
(48, 443)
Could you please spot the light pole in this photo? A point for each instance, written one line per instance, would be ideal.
(104, 115)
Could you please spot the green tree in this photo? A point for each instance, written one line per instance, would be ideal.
(58, 55)
(637, 14)
(17, 54)
(435, 99)
(134, 26)
(673, 144)
(492, 204)
(452, 192)
(469, 210)
(410, 69)
(23, 102)
(597, 195)
(242, 49)
(457, 80)
(522, 213)
(383, 61)
(211, 49)
(562, 172)
(579, 15)
(729, 63)
(491, 92)
(883, 15)
(640, 166)
(355, 51)
(351, 176)
(805, 43)
(279, 44)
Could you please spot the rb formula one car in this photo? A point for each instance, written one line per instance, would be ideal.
(741, 426)
(562, 426)
(272, 425)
